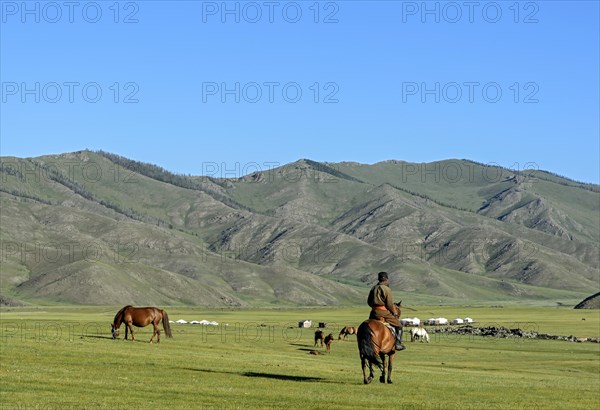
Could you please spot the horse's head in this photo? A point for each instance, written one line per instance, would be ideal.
(114, 330)
(398, 308)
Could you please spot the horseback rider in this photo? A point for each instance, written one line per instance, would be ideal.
(382, 306)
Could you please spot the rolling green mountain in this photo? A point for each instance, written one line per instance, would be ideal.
(97, 228)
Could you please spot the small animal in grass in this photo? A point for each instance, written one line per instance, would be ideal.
(315, 352)
(419, 333)
(319, 337)
(347, 330)
(328, 342)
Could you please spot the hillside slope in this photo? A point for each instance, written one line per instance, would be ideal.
(591, 302)
(93, 227)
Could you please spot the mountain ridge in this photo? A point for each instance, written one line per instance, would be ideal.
(282, 236)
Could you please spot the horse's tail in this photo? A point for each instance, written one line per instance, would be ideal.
(166, 324)
(365, 344)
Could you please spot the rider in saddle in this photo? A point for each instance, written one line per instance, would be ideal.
(382, 306)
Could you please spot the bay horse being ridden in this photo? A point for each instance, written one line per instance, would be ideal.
(140, 317)
(347, 330)
(375, 341)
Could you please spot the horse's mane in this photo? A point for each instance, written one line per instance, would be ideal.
(119, 314)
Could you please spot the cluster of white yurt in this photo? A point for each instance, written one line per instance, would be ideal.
(437, 321)
(411, 321)
(195, 322)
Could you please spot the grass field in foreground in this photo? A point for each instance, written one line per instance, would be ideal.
(63, 358)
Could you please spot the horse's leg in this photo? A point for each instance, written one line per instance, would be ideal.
(129, 325)
(364, 363)
(153, 332)
(126, 329)
(382, 378)
(390, 364)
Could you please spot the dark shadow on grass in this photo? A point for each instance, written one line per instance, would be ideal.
(306, 348)
(209, 371)
(116, 340)
(276, 376)
(283, 377)
(96, 337)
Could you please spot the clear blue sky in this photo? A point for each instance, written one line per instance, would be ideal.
(378, 80)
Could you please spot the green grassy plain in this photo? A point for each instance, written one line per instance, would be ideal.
(63, 358)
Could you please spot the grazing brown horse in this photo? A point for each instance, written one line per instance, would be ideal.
(375, 341)
(319, 337)
(347, 330)
(140, 317)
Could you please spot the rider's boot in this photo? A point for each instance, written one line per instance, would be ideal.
(399, 345)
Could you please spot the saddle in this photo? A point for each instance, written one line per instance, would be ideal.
(390, 327)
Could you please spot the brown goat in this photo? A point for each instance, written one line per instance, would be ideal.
(328, 342)
(318, 337)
